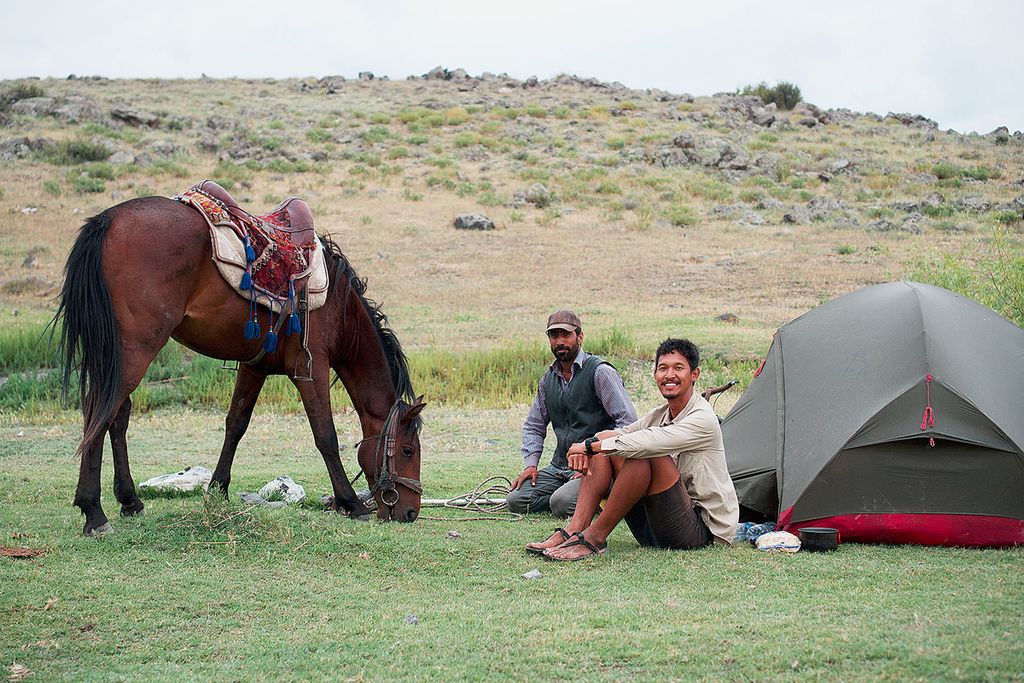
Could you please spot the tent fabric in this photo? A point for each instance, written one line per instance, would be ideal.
(832, 424)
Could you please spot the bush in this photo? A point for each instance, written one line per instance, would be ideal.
(681, 215)
(85, 184)
(319, 135)
(784, 95)
(71, 152)
(995, 279)
(19, 91)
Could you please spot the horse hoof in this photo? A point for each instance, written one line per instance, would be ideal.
(133, 508)
(101, 530)
(362, 518)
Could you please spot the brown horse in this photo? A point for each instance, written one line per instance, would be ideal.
(141, 273)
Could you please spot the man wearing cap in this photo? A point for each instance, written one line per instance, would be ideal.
(665, 474)
(580, 395)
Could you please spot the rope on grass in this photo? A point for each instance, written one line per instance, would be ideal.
(489, 499)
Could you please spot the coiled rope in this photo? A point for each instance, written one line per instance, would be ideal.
(488, 499)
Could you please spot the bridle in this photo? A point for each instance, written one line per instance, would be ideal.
(385, 475)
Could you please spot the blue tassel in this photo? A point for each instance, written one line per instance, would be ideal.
(252, 330)
(250, 254)
(246, 281)
(270, 343)
(294, 325)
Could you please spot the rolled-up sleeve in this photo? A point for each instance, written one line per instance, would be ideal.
(535, 428)
(694, 433)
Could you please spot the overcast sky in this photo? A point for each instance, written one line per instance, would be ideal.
(957, 62)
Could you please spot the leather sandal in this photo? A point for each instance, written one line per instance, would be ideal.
(580, 540)
(537, 550)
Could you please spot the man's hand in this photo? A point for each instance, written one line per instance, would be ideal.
(529, 473)
(579, 462)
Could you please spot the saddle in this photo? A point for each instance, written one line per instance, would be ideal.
(274, 260)
(291, 218)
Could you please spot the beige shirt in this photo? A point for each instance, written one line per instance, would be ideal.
(694, 441)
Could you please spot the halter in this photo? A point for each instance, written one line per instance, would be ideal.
(385, 475)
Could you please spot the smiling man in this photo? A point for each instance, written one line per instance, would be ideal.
(665, 474)
(580, 394)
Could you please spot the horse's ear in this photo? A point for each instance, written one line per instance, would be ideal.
(415, 409)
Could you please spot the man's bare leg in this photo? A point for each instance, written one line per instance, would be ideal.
(594, 487)
(635, 479)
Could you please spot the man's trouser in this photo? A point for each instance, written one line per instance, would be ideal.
(555, 492)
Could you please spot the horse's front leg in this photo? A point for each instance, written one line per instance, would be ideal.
(248, 384)
(316, 398)
(124, 486)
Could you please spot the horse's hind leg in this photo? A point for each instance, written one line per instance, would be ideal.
(87, 494)
(316, 398)
(124, 486)
(248, 384)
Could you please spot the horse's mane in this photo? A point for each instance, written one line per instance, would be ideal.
(341, 270)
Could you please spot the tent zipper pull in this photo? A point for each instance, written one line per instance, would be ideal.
(928, 418)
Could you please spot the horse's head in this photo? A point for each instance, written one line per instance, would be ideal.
(393, 466)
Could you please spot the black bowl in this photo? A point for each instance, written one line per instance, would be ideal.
(818, 538)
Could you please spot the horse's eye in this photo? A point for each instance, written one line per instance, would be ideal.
(407, 451)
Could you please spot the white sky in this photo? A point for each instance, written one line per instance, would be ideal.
(957, 62)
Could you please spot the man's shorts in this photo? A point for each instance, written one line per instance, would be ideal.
(668, 520)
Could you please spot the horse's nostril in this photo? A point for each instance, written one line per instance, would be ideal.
(411, 515)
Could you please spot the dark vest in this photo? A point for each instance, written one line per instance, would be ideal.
(576, 413)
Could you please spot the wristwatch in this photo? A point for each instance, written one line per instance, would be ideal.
(589, 445)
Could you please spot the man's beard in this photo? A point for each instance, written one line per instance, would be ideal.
(565, 354)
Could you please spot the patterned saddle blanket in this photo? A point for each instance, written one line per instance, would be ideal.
(267, 259)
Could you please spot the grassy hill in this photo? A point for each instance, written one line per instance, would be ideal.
(649, 212)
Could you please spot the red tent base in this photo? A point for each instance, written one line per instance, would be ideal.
(971, 531)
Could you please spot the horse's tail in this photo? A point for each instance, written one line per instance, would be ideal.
(89, 339)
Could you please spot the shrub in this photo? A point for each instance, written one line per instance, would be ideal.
(84, 184)
(71, 152)
(319, 135)
(995, 279)
(19, 91)
(398, 152)
(942, 171)
(52, 187)
(456, 116)
(846, 249)
(681, 215)
(785, 95)
(465, 139)
(1006, 217)
(375, 134)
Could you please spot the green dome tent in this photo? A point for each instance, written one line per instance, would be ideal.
(893, 414)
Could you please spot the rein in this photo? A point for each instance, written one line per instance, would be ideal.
(385, 475)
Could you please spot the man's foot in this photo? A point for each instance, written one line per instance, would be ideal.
(559, 537)
(579, 548)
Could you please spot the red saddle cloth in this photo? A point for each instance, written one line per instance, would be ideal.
(281, 241)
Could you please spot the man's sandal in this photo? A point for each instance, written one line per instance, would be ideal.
(538, 550)
(579, 540)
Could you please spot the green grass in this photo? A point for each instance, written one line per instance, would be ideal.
(198, 588)
(497, 377)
